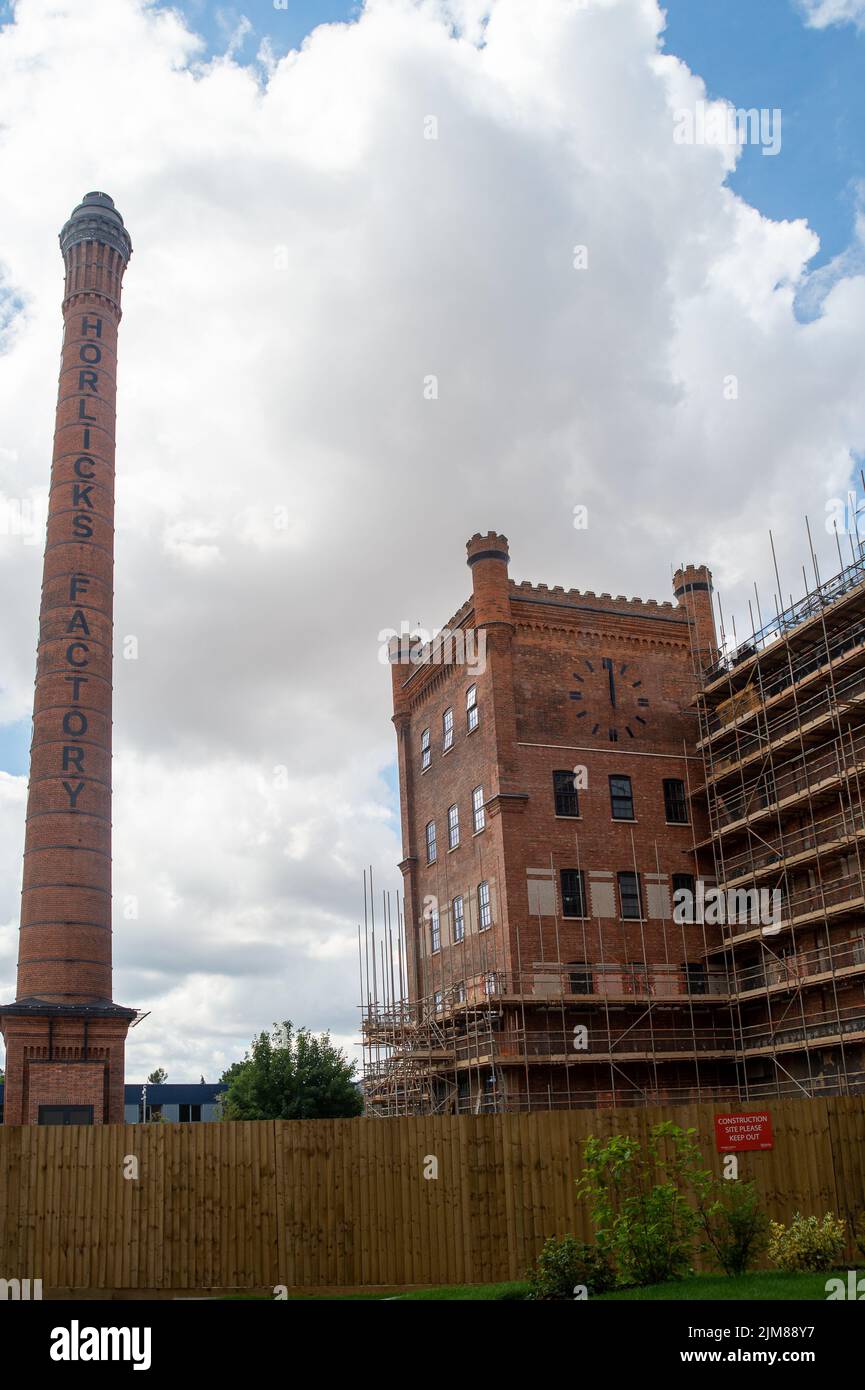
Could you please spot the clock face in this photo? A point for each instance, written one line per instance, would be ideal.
(611, 699)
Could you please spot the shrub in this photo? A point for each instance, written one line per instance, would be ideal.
(808, 1243)
(564, 1263)
(735, 1224)
(642, 1219)
(859, 1234)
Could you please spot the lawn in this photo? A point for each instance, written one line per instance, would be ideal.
(772, 1287)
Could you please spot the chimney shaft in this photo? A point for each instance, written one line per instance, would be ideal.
(64, 963)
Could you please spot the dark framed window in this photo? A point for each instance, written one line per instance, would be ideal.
(189, 1114)
(675, 801)
(491, 986)
(435, 931)
(447, 729)
(630, 897)
(472, 713)
(460, 992)
(580, 979)
(621, 798)
(438, 1001)
(684, 909)
(459, 919)
(453, 826)
(696, 979)
(431, 842)
(478, 814)
(565, 794)
(573, 893)
(425, 750)
(766, 790)
(485, 913)
(66, 1114)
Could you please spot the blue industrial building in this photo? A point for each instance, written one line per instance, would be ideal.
(177, 1104)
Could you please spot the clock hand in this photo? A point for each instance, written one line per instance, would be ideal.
(609, 665)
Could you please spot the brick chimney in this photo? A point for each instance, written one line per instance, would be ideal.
(64, 1035)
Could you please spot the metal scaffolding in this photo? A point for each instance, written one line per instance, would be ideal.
(782, 735)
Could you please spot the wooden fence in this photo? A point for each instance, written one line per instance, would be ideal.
(345, 1202)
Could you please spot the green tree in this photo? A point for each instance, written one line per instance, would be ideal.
(291, 1074)
(158, 1077)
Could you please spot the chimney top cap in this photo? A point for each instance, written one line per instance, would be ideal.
(96, 218)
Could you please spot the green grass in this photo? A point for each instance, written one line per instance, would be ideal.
(479, 1292)
(773, 1286)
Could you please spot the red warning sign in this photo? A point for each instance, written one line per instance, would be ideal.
(738, 1132)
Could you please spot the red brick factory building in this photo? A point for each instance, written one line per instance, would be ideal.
(567, 761)
(64, 1035)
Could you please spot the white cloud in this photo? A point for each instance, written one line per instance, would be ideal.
(819, 14)
(304, 257)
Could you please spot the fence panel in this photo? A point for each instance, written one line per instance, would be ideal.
(342, 1203)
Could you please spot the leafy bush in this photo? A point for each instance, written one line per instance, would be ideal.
(859, 1234)
(735, 1225)
(808, 1243)
(564, 1263)
(644, 1222)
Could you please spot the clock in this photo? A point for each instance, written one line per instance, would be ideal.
(611, 699)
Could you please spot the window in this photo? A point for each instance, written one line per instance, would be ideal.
(66, 1114)
(435, 931)
(683, 898)
(431, 842)
(189, 1113)
(630, 900)
(580, 978)
(621, 798)
(683, 882)
(675, 804)
(438, 1001)
(491, 986)
(766, 790)
(447, 729)
(149, 1112)
(453, 826)
(472, 708)
(565, 793)
(573, 893)
(425, 751)
(459, 920)
(696, 979)
(460, 992)
(484, 911)
(478, 814)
